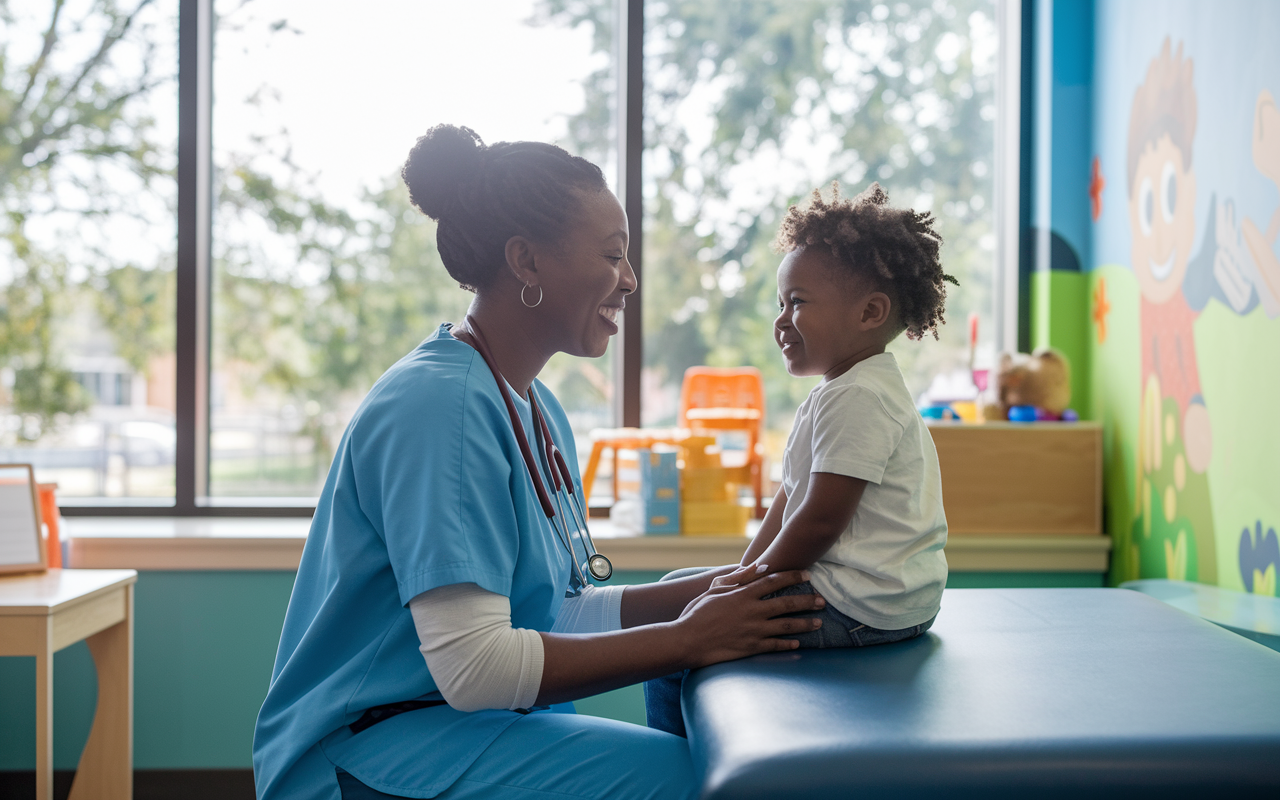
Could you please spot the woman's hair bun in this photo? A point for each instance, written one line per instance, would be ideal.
(440, 163)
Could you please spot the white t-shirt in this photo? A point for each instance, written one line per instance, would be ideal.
(887, 568)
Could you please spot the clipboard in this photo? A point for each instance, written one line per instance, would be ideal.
(21, 545)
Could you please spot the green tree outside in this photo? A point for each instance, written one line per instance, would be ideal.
(861, 90)
(313, 300)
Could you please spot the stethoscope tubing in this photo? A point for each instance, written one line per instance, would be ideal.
(597, 564)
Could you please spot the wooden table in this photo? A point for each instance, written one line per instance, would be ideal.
(40, 615)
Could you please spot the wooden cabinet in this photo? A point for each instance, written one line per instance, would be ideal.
(1021, 478)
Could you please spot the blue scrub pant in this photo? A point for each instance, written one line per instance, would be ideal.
(546, 755)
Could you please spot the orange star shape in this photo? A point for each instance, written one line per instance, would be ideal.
(1096, 184)
(1101, 307)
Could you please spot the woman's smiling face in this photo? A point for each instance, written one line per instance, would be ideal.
(585, 277)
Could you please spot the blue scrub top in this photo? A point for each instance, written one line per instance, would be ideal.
(427, 489)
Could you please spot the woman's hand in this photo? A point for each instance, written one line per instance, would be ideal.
(732, 621)
(723, 623)
(665, 600)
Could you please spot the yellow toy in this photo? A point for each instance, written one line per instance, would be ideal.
(709, 492)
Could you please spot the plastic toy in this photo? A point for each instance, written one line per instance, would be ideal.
(709, 491)
(1037, 414)
(939, 412)
(1022, 413)
(660, 490)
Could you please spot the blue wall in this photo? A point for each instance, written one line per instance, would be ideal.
(1061, 170)
(1059, 118)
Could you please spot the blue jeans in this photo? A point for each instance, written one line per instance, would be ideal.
(662, 695)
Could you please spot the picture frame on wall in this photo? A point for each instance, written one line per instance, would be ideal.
(21, 545)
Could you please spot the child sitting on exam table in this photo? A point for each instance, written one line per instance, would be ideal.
(861, 500)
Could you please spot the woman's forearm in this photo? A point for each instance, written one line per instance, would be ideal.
(649, 646)
(577, 666)
(647, 603)
(719, 625)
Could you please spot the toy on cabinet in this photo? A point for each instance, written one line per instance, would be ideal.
(1038, 386)
(709, 491)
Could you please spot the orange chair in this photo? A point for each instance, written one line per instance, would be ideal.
(716, 399)
(616, 439)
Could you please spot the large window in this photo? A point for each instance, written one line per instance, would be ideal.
(748, 107)
(324, 274)
(88, 149)
(200, 343)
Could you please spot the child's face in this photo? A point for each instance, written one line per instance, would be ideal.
(1162, 219)
(825, 324)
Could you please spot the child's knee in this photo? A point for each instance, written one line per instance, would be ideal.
(684, 573)
(804, 587)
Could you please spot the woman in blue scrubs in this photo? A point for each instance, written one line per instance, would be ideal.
(429, 649)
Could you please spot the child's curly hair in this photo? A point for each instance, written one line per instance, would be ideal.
(896, 248)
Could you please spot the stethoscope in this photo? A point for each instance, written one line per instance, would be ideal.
(598, 565)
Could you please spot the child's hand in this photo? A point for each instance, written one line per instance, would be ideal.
(739, 577)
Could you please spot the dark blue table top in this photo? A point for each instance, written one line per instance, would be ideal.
(1014, 692)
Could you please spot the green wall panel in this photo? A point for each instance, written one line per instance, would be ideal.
(204, 643)
(75, 692)
(1059, 301)
(1025, 580)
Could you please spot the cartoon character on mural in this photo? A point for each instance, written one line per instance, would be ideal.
(1173, 526)
(1239, 267)
(1261, 245)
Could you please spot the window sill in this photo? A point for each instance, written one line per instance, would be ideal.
(183, 543)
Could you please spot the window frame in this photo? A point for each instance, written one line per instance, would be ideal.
(195, 215)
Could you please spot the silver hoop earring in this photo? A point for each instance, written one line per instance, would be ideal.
(527, 304)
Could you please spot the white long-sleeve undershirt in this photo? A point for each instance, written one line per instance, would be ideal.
(478, 660)
(597, 609)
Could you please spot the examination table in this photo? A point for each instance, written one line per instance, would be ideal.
(1023, 693)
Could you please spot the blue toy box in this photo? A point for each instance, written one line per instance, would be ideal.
(660, 491)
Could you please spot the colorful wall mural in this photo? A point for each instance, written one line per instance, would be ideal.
(1184, 287)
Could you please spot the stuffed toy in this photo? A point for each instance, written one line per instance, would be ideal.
(1042, 380)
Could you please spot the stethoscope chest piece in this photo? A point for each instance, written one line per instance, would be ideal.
(600, 567)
